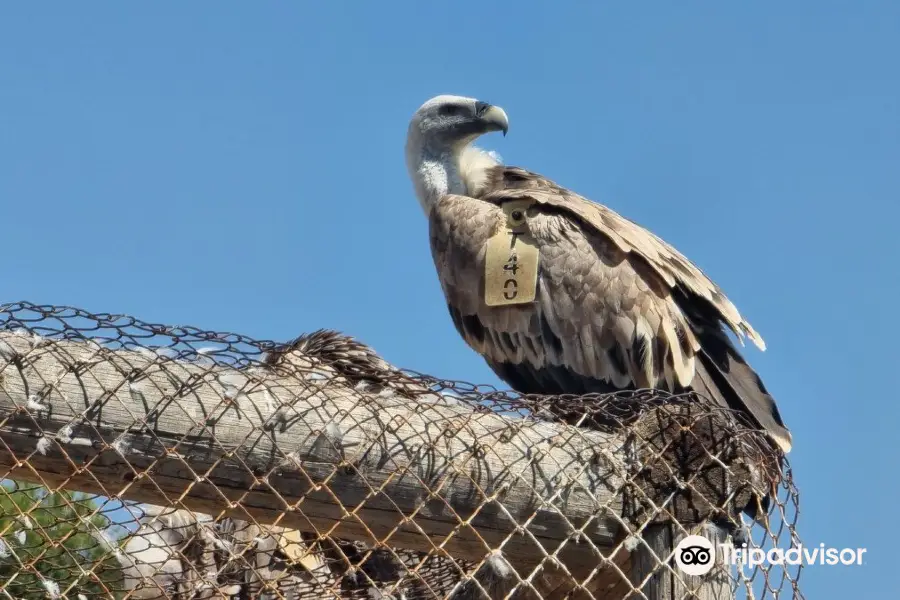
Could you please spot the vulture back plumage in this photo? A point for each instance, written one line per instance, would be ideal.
(616, 307)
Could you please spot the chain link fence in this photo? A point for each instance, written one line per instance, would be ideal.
(146, 461)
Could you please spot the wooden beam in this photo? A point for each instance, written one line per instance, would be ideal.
(308, 454)
(312, 453)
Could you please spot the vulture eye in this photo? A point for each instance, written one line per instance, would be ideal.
(451, 110)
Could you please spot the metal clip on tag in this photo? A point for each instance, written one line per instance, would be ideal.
(511, 259)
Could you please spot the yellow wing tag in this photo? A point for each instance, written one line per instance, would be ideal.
(511, 259)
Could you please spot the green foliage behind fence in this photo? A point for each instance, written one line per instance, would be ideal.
(54, 544)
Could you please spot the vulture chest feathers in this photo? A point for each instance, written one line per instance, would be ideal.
(616, 308)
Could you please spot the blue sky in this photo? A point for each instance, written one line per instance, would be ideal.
(239, 166)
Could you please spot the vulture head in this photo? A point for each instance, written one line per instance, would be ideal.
(455, 120)
(439, 154)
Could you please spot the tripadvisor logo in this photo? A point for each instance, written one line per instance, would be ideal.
(695, 555)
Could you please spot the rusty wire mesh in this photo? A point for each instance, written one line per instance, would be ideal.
(146, 461)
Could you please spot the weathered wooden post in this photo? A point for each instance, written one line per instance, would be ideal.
(545, 509)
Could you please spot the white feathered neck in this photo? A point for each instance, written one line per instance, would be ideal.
(439, 170)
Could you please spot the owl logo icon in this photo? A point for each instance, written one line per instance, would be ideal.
(695, 555)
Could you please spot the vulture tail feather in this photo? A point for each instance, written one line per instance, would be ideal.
(723, 376)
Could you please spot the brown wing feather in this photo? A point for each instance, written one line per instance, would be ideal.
(602, 319)
(510, 182)
(616, 308)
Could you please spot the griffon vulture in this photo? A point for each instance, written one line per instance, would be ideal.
(561, 295)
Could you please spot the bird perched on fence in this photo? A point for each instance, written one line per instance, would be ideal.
(561, 295)
(331, 354)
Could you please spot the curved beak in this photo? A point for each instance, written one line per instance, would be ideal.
(492, 117)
